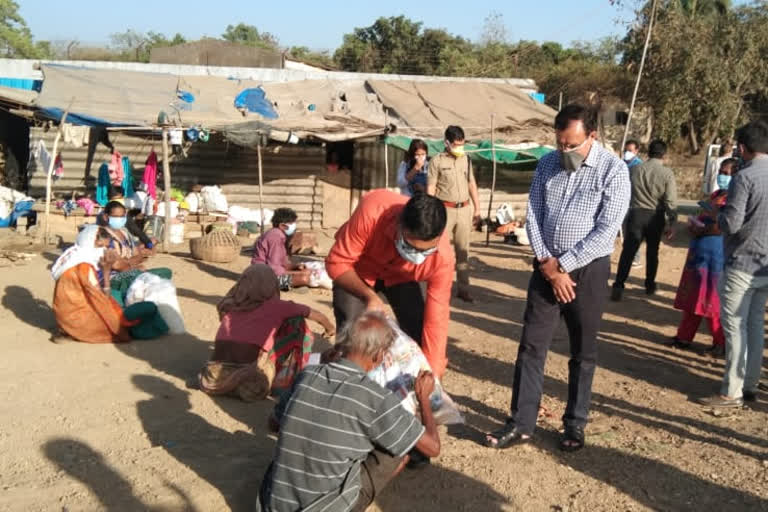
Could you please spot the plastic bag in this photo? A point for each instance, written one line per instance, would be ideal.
(194, 202)
(151, 288)
(505, 214)
(402, 364)
(318, 277)
(213, 199)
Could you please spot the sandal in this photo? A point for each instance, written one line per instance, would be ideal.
(506, 436)
(678, 343)
(573, 439)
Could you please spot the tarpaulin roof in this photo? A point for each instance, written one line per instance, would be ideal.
(480, 150)
(17, 96)
(426, 108)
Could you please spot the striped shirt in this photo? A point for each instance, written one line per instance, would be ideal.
(334, 418)
(574, 216)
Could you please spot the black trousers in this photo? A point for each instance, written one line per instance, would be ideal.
(542, 316)
(406, 299)
(642, 225)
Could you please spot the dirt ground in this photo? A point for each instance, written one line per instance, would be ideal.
(90, 427)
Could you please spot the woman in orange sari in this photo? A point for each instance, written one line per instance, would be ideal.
(84, 307)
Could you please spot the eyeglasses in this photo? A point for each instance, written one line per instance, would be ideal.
(415, 250)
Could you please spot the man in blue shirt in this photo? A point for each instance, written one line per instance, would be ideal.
(578, 200)
(631, 151)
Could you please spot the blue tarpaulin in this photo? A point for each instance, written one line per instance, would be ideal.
(255, 100)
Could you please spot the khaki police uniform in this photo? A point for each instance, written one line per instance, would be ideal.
(451, 177)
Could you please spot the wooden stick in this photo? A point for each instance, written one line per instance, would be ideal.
(261, 187)
(386, 153)
(493, 181)
(49, 177)
(167, 193)
(639, 75)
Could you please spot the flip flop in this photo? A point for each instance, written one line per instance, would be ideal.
(573, 439)
(507, 436)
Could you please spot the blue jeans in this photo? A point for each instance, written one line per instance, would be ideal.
(742, 311)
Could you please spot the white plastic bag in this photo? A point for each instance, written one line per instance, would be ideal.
(194, 201)
(161, 209)
(402, 364)
(318, 277)
(214, 199)
(505, 214)
(151, 288)
(522, 236)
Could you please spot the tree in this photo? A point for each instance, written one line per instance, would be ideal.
(249, 35)
(390, 45)
(703, 73)
(321, 59)
(129, 43)
(16, 41)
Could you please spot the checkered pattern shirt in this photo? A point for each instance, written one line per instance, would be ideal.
(575, 216)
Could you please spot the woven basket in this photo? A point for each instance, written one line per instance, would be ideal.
(216, 247)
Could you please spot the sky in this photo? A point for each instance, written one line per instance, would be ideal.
(319, 25)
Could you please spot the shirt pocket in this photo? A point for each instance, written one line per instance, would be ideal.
(586, 199)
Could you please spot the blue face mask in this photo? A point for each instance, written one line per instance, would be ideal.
(117, 222)
(723, 180)
(290, 229)
(410, 254)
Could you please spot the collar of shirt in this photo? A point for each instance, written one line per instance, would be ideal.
(348, 365)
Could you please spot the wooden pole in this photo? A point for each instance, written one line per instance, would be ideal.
(166, 194)
(493, 180)
(261, 189)
(639, 75)
(386, 153)
(49, 176)
(560, 102)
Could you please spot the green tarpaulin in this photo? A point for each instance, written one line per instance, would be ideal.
(477, 151)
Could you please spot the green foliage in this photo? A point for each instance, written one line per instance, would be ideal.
(703, 72)
(16, 40)
(249, 35)
(313, 58)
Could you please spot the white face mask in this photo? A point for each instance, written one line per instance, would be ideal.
(411, 254)
(629, 156)
(290, 229)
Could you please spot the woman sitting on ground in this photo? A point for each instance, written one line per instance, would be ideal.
(412, 173)
(697, 294)
(132, 255)
(270, 249)
(262, 342)
(83, 305)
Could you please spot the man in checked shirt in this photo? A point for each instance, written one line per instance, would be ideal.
(578, 200)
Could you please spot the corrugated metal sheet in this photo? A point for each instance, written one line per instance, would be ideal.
(289, 171)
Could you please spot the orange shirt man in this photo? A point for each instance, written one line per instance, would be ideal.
(390, 245)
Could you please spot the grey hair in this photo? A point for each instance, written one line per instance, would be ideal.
(369, 335)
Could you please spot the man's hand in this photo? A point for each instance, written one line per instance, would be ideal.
(424, 385)
(564, 288)
(329, 328)
(110, 258)
(549, 268)
(476, 218)
(374, 303)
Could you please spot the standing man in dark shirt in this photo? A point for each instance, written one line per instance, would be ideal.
(652, 212)
(744, 285)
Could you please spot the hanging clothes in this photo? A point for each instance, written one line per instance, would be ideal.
(76, 136)
(58, 168)
(116, 169)
(127, 178)
(40, 157)
(103, 184)
(150, 175)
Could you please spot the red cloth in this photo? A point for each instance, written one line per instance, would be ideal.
(690, 322)
(115, 168)
(366, 243)
(270, 250)
(150, 175)
(258, 326)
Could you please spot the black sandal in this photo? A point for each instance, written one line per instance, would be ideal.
(573, 439)
(507, 436)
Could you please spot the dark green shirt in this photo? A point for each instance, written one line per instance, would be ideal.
(654, 188)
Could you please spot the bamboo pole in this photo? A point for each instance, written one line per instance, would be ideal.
(166, 194)
(493, 180)
(639, 75)
(49, 176)
(261, 188)
(386, 152)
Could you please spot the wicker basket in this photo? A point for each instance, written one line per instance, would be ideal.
(216, 247)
